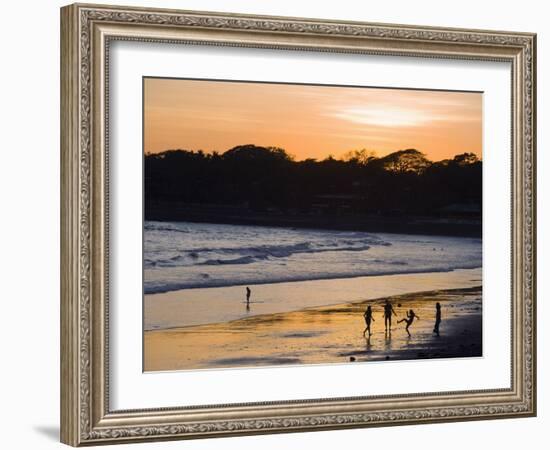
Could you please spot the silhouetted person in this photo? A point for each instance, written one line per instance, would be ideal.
(388, 311)
(437, 318)
(409, 320)
(248, 292)
(368, 318)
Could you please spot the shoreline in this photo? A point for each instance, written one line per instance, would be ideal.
(201, 306)
(324, 334)
(299, 280)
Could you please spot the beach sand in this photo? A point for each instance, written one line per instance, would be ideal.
(325, 334)
(191, 307)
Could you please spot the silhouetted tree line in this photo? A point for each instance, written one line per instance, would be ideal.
(267, 179)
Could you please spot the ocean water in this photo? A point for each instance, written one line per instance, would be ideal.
(181, 255)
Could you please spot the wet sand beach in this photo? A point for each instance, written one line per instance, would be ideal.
(325, 334)
(191, 307)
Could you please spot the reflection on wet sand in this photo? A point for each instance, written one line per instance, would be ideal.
(329, 334)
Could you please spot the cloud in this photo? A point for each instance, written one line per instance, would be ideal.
(385, 117)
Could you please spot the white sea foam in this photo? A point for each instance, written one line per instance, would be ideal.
(188, 255)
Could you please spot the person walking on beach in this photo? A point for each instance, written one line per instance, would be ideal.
(409, 320)
(437, 318)
(368, 318)
(388, 311)
(248, 292)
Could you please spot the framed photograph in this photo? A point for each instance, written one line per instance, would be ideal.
(274, 224)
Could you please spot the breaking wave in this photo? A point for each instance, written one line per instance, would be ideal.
(189, 255)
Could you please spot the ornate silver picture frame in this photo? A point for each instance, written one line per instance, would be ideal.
(87, 32)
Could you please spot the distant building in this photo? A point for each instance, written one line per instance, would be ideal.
(337, 203)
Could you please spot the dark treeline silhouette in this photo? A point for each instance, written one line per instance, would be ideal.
(265, 185)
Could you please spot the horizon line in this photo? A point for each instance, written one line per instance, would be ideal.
(293, 158)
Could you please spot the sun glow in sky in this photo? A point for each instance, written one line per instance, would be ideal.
(309, 121)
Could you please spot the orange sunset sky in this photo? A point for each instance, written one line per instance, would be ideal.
(309, 121)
